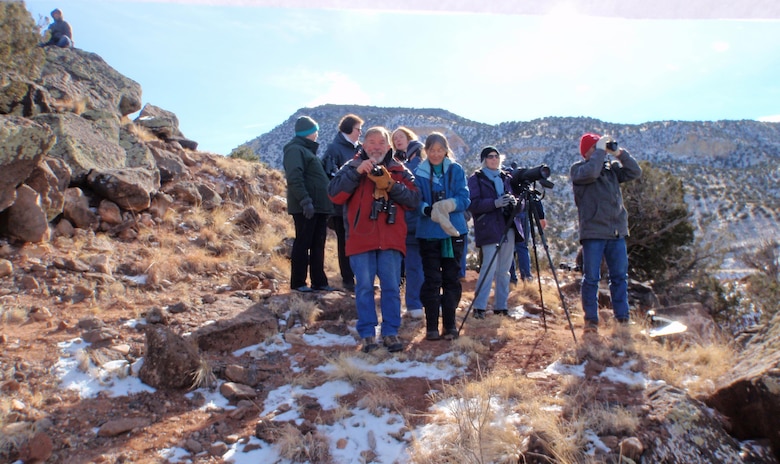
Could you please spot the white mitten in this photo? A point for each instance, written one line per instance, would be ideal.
(440, 214)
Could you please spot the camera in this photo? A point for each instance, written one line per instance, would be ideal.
(521, 177)
(439, 196)
(612, 146)
(376, 170)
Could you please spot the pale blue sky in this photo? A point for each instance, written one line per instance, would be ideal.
(231, 73)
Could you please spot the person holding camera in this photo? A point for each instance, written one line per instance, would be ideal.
(376, 190)
(441, 232)
(408, 150)
(342, 149)
(308, 204)
(603, 222)
(493, 209)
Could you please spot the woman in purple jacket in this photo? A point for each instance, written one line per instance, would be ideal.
(492, 207)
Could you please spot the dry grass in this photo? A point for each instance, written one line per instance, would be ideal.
(692, 367)
(472, 425)
(377, 401)
(13, 314)
(140, 132)
(296, 447)
(344, 367)
(203, 376)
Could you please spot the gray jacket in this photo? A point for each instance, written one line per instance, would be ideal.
(596, 184)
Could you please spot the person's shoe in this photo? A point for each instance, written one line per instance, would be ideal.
(623, 321)
(591, 327)
(349, 286)
(369, 344)
(479, 314)
(501, 312)
(303, 289)
(432, 335)
(392, 343)
(450, 334)
(415, 313)
(325, 288)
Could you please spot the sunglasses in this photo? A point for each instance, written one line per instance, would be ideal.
(493, 155)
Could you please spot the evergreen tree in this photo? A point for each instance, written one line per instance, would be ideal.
(661, 241)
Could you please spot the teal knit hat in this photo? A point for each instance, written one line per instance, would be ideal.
(306, 126)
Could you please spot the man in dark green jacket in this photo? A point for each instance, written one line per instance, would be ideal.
(308, 203)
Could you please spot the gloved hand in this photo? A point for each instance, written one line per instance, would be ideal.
(602, 142)
(512, 199)
(308, 208)
(383, 181)
(503, 200)
(440, 214)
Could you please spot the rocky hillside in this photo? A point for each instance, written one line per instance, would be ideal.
(731, 169)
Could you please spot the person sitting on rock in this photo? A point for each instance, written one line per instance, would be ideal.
(60, 33)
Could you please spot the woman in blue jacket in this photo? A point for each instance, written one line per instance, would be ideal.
(441, 232)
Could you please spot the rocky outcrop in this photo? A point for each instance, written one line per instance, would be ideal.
(684, 431)
(22, 145)
(75, 77)
(750, 394)
(64, 128)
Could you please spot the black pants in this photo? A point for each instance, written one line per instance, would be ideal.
(308, 251)
(347, 276)
(442, 287)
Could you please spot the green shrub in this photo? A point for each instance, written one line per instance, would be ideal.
(20, 55)
(245, 153)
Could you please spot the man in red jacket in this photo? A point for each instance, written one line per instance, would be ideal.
(376, 190)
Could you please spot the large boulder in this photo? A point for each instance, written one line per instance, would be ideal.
(82, 145)
(130, 188)
(75, 77)
(26, 218)
(248, 328)
(171, 362)
(22, 144)
(749, 395)
(160, 122)
(681, 430)
(50, 179)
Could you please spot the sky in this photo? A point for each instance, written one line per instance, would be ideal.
(233, 70)
(118, 378)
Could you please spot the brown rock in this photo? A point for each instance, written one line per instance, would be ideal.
(6, 268)
(632, 448)
(119, 426)
(170, 360)
(25, 219)
(38, 449)
(236, 391)
(109, 212)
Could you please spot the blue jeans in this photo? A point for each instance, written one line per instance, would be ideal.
(385, 264)
(498, 268)
(414, 274)
(614, 252)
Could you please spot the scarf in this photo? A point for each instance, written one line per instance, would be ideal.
(495, 176)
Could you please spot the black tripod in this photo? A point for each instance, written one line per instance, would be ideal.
(528, 198)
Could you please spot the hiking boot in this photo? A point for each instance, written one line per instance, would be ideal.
(392, 343)
(479, 314)
(450, 334)
(369, 344)
(432, 335)
(623, 321)
(303, 289)
(501, 312)
(591, 327)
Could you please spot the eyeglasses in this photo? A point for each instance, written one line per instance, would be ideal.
(493, 155)
(359, 129)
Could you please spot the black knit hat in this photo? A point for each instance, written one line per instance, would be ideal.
(486, 151)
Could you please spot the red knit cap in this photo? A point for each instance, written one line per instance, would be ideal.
(587, 141)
